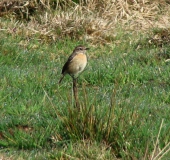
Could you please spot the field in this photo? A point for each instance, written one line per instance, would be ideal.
(124, 92)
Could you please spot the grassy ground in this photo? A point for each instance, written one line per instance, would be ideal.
(124, 91)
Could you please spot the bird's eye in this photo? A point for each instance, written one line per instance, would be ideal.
(80, 49)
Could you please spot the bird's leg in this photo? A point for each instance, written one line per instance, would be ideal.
(75, 91)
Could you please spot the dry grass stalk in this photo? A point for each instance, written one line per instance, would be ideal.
(158, 154)
(95, 21)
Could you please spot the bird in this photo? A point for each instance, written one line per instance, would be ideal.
(76, 63)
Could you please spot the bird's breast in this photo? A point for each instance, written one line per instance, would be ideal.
(78, 63)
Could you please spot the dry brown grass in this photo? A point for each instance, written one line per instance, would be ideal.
(96, 21)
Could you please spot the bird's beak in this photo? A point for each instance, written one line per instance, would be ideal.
(87, 48)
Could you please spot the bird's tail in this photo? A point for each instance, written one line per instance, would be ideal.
(61, 78)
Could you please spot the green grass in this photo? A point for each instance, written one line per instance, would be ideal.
(124, 95)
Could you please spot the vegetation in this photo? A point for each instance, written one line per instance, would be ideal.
(124, 91)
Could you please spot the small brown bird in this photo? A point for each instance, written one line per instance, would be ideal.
(76, 63)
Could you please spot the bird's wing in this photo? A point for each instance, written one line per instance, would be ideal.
(65, 67)
(68, 62)
(71, 56)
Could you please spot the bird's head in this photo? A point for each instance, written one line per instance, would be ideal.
(81, 49)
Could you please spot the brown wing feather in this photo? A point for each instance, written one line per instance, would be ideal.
(72, 56)
(65, 67)
(68, 61)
